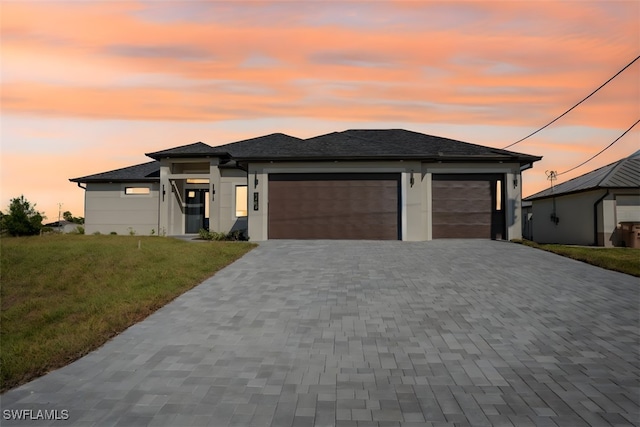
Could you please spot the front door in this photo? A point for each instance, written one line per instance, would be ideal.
(195, 210)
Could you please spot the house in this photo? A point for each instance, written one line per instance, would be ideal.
(590, 209)
(63, 226)
(356, 184)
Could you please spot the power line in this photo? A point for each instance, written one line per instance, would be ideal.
(584, 99)
(601, 151)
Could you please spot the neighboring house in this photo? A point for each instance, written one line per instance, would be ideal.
(356, 184)
(63, 226)
(589, 209)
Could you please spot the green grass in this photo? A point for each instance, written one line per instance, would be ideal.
(624, 260)
(62, 295)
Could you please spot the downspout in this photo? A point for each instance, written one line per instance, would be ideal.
(160, 199)
(85, 203)
(595, 218)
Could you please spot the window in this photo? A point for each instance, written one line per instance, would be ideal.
(498, 195)
(137, 191)
(241, 200)
(197, 180)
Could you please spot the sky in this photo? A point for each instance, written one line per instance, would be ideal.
(90, 86)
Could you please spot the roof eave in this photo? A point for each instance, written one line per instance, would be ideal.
(564, 193)
(160, 156)
(106, 180)
(431, 158)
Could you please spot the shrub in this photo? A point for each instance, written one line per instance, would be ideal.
(204, 234)
(236, 235)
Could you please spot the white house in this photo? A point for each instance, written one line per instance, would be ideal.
(356, 184)
(589, 209)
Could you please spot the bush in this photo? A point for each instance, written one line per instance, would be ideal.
(236, 235)
(23, 219)
(79, 230)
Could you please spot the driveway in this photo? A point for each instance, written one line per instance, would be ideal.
(346, 333)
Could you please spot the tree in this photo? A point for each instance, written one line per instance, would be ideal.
(75, 219)
(23, 219)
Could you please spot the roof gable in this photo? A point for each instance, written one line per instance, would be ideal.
(624, 173)
(196, 149)
(145, 172)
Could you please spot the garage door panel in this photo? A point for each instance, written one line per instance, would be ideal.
(464, 206)
(466, 231)
(333, 206)
(464, 218)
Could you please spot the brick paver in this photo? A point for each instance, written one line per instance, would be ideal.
(345, 333)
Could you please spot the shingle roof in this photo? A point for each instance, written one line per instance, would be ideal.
(191, 150)
(624, 173)
(368, 144)
(269, 144)
(145, 172)
(356, 144)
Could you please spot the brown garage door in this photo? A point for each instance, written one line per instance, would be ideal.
(334, 206)
(467, 206)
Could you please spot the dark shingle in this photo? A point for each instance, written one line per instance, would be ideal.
(355, 144)
(145, 172)
(268, 144)
(196, 149)
(624, 173)
(368, 144)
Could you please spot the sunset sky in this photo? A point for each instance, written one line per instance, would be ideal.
(90, 86)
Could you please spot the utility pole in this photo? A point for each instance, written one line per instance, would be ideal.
(59, 216)
(551, 176)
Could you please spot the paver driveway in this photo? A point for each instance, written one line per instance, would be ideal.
(442, 333)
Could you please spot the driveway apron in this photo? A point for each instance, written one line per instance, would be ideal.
(364, 333)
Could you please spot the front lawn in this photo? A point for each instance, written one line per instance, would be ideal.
(65, 295)
(624, 260)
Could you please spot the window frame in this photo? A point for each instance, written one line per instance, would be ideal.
(235, 204)
(126, 193)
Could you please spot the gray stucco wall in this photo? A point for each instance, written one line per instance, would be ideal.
(109, 209)
(575, 214)
(229, 180)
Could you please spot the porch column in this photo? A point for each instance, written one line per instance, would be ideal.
(513, 205)
(214, 195)
(164, 201)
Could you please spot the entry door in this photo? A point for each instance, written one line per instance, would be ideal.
(195, 210)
